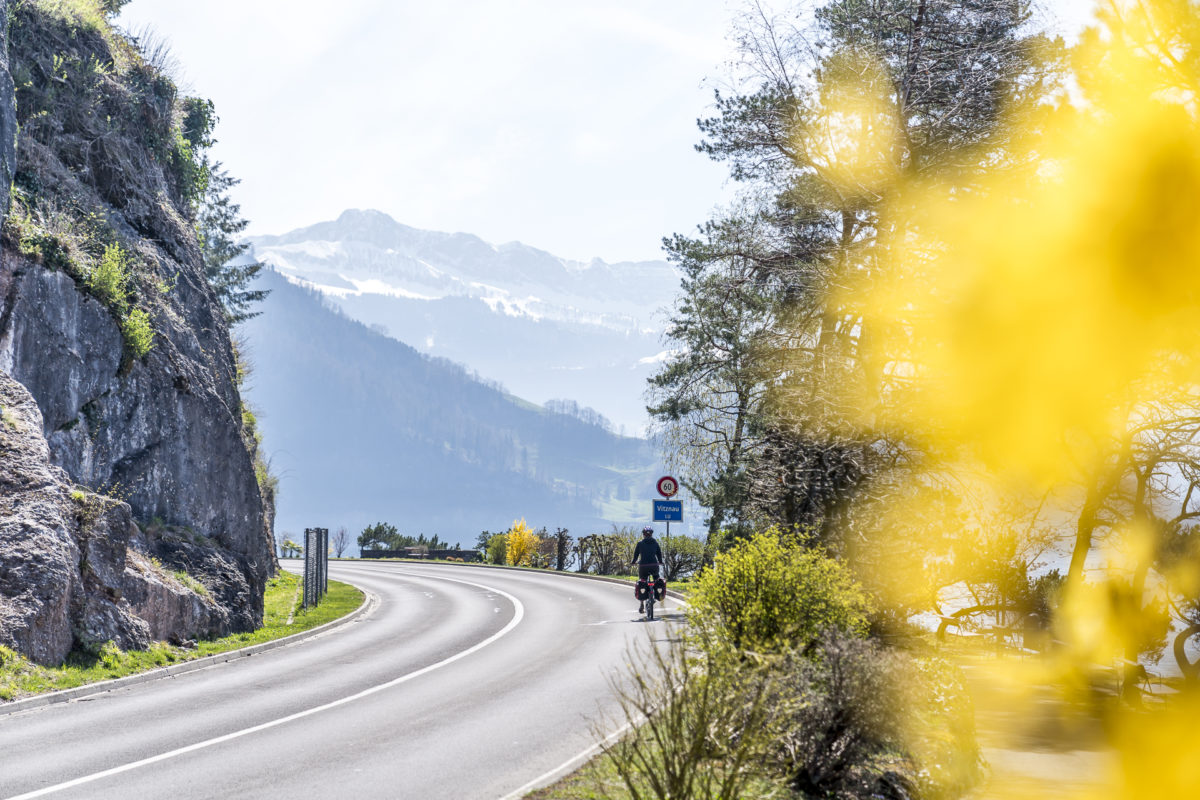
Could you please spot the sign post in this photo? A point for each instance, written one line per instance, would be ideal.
(667, 510)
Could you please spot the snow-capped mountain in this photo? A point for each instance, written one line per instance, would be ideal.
(543, 326)
(362, 428)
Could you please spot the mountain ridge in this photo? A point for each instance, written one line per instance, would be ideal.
(365, 428)
(593, 325)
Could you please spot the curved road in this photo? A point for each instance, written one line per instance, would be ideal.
(462, 683)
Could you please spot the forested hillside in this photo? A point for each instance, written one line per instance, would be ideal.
(365, 428)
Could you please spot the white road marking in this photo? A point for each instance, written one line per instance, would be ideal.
(95, 776)
(567, 766)
(571, 764)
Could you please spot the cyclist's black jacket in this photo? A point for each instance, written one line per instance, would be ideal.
(648, 552)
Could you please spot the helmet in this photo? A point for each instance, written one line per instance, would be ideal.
(647, 531)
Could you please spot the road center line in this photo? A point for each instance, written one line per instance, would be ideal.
(191, 748)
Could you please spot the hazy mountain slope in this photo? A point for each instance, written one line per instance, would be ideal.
(534, 358)
(365, 428)
(543, 326)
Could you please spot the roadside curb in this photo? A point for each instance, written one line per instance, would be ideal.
(369, 604)
(583, 576)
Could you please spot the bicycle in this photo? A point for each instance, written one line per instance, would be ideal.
(648, 592)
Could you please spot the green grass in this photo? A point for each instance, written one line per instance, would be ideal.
(21, 678)
(190, 582)
(598, 779)
(595, 780)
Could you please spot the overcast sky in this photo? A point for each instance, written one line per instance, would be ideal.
(565, 124)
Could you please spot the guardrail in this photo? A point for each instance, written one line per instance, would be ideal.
(465, 556)
(316, 565)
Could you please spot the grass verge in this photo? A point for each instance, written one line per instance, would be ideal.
(598, 779)
(20, 677)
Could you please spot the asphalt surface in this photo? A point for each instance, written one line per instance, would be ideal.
(463, 683)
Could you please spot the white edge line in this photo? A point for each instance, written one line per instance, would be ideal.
(567, 766)
(95, 776)
(576, 761)
(368, 606)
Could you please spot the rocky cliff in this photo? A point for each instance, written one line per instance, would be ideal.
(127, 462)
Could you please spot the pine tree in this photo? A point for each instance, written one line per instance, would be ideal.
(767, 339)
(225, 266)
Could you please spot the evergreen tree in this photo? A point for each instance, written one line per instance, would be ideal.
(228, 271)
(768, 340)
(707, 396)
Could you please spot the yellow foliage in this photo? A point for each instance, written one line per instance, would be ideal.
(1033, 310)
(1033, 319)
(521, 544)
(1159, 752)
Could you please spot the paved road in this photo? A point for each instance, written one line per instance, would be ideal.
(463, 683)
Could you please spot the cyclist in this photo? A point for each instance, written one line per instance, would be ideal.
(648, 556)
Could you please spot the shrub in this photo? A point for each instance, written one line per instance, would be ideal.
(939, 728)
(521, 544)
(109, 280)
(841, 721)
(768, 593)
(264, 473)
(138, 332)
(700, 728)
(87, 13)
(850, 719)
(49, 241)
(497, 546)
(682, 555)
(112, 6)
(856, 719)
(188, 164)
(109, 283)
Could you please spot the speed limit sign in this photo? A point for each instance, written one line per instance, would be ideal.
(667, 486)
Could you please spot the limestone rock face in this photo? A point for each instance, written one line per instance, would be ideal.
(77, 572)
(62, 577)
(8, 113)
(172, 611)
(120, 472)
(99, 611)
(162, 433)
(38, 570)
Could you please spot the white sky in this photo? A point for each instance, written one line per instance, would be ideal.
(566, 124)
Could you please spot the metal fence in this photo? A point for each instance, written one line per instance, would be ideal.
(316, 565)
(416, 552)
